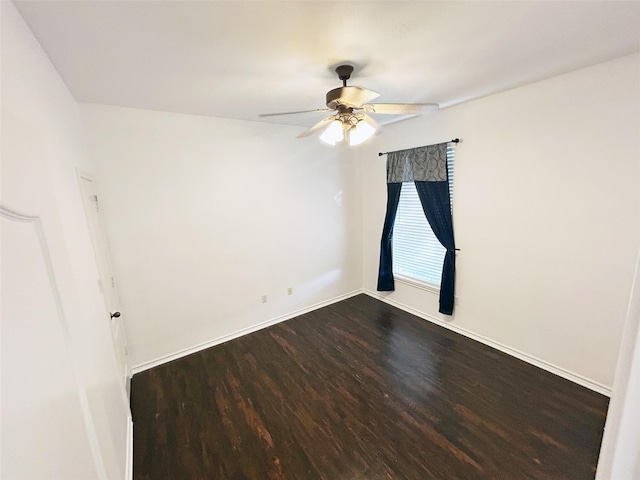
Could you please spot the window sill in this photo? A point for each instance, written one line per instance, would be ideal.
(429, 287)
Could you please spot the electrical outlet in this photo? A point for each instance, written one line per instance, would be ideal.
(264, 299)
(290, 291)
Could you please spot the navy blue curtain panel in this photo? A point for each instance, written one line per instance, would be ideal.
(427, 167)
(436, 204)
(385, 272)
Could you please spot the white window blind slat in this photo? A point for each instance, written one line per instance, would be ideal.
(417, 253)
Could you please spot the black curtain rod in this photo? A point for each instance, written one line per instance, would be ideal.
(455, 140)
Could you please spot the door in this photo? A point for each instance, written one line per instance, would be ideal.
(48, 427)
(43, 414)
(106, 282)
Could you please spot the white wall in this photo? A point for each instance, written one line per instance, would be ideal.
(41, 147)
(546, 214)
(620, 452)
(205, 215)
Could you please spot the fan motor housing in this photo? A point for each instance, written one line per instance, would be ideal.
(334, 96)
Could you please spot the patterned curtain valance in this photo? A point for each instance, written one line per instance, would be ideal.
(420, 164)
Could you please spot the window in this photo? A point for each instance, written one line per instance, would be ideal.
(417, 253)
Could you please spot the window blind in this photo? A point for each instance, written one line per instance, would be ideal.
(417, 253)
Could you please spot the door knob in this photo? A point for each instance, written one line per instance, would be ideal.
(115, 314)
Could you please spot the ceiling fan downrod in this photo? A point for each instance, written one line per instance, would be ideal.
(344, 73)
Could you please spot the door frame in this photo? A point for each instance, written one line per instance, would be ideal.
(106, 278)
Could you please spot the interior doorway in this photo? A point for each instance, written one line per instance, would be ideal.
(106, 282)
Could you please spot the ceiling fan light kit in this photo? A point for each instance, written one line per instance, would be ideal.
(352, 129)
(334, 133)
(361, 132)
(351, 123)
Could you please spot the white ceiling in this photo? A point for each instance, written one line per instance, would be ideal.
(238, 59)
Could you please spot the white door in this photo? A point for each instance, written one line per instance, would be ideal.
(47, 429)
(44, 410)
(106, 281)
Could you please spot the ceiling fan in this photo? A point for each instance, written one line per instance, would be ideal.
(350, 121)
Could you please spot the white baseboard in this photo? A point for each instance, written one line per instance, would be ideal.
(239, 333)
(549, 367)
(562, 372)
(129, 464)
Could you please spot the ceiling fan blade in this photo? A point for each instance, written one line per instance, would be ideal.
(350, 96)
(372, 122)
(321, 124)
(400, 108)
(293, 113)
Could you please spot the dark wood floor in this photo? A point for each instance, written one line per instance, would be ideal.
(361, 390)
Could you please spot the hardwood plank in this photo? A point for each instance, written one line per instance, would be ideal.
(361, 390)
